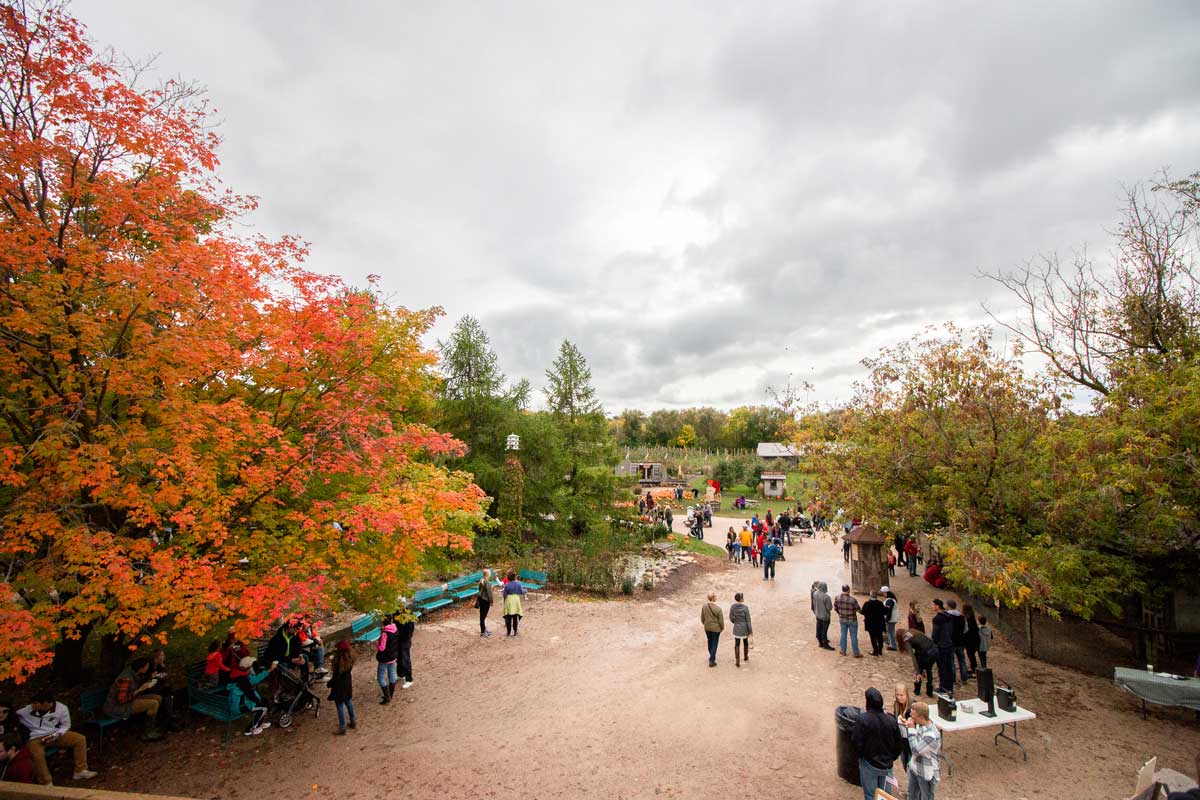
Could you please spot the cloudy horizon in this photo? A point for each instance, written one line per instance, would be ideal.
(706, 200)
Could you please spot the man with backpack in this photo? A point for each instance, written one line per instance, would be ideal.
(130, 696)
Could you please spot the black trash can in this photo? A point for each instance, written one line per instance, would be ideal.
(847, 754)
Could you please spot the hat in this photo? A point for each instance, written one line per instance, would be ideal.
(884, 589)
(247, 662)
(344, 645)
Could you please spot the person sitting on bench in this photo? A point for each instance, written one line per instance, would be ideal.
(49, 725)
(284, 647)
(130, 695)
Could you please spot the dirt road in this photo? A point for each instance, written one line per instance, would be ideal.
(614, 699)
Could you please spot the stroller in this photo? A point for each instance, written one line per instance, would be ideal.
(292, 695)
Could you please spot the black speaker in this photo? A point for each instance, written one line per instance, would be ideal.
(947, 708)
(1006, 698)
(986, 691)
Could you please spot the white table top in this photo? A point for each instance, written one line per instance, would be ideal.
(967, 720)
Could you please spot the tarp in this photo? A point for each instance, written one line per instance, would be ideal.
(1162, 690)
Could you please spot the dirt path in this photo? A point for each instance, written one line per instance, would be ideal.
(615, 699)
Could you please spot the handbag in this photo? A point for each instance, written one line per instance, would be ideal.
(750, 641)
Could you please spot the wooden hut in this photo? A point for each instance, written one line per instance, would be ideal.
(774, 484)
(868, 559)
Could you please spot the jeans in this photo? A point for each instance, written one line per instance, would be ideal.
(769, 569)
(876, 642)
(925, 670)
(919, 788)
(872, 778)
(714, 638)
(342, 709)
(823, 631)
(960, 655)
(386, 674)
(737, 552)
(912, 566)
(891, 635)
(852, 628)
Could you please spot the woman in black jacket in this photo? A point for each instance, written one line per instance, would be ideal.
(971, 637)
(341, 686)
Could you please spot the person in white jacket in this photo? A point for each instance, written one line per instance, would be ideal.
(49, 725)
(892, 604)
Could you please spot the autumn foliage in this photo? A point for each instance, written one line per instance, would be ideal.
(184, 411)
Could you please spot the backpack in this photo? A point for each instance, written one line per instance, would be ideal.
(124, 691)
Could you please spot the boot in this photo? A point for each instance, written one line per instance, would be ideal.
(916, 688)
(151, 732)
(387, 696)
(391, 690)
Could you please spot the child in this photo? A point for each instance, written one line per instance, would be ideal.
(892, 563)
(244, 697)
(215, 672)
(985, 640)
(755, 553)
(341, 687)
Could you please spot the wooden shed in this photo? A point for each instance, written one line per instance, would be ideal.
(868, 559)
(774, 484)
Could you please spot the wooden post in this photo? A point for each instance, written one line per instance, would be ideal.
(1029, 630)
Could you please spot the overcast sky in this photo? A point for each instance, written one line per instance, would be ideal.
(705, 197)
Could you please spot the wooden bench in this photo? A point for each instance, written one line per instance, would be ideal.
(427, 600)
(365, 629)
(91, 707)
(532, 580)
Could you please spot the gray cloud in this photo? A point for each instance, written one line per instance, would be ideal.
(706, 199)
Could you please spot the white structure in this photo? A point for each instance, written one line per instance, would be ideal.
(512, 442)
(777, 450)
(774, 484)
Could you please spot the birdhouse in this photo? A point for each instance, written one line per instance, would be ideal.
(868, 559)
(512, 442)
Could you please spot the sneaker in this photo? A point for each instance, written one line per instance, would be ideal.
(487, 634)
(264, 726)
(352, 725)
(406, 684)
(340, 732)
(251, 732)
(84, 775)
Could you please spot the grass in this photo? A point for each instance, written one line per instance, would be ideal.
(796, 481)
(690, 545)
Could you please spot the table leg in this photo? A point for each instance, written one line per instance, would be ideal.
(1003, 735)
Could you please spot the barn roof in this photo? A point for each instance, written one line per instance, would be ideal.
(776, 450)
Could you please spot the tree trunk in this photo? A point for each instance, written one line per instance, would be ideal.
(113, 655)
(67, 667)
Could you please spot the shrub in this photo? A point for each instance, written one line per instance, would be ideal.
(627, 585)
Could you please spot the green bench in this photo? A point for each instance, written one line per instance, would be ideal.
(365, 629)
(427, 600)
(91, 707)
(466, 586)
(532, 579)
(214, 703)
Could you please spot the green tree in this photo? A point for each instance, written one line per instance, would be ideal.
(687, 437)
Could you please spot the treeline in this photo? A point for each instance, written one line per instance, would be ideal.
(706, 428)
(1036, 503)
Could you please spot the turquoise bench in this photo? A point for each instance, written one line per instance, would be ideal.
(91, 707)
(532, 579)
(214, 703)
(466, 586)
(365, 629)
(427, 600)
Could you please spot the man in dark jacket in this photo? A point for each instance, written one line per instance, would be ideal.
(924, 656)
(959, 637)
(875, 615)
(876, 736)
(284, 647)
(943, 637)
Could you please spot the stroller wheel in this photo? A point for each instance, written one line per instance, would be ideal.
(285, 719)
(311, 704)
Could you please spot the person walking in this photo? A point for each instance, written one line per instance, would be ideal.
(915, 623)
(713, 620)
(739, 617)
(971, 637)
(892, 604)
(483, 601)
(985, 644)
(943, 637)
(405, 630)
(911, 548)
(924, 656)
(847, 608)
(730, 538)
(386, 654)
(822, 606)
(669, 518)
(875, 615)
(925, 743)
(341, 686)
(514, 590)
(769, 556)
(876, 737)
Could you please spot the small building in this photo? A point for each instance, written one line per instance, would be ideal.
(868, 559)
(781, 454)
(647, 473)
(774, 484)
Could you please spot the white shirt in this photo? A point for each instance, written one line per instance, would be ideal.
(54, 722)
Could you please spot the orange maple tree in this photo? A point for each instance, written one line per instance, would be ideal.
(184, 412)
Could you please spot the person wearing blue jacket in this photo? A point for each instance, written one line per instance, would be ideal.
(769, 555)
(244, 697)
